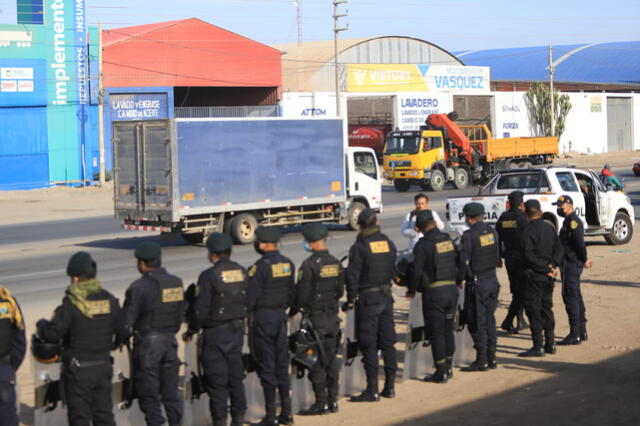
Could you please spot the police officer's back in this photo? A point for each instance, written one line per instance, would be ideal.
(153, 310)
(320, 286)
(371, 269)
(12, 351)
(90, 324)
(220, 309)
(270, 293)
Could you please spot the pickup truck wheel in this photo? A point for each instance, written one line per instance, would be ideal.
(512, 164)
(436, 183)
(622, 230)
(193, 238)
(461, 178)
(401, 185)
(354, 211)
(243, 228)
(526, 165)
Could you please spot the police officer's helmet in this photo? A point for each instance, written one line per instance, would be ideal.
(45, 352)
(304, 348)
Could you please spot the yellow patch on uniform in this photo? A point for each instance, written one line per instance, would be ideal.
(329, 271)
(232, 276)
(574, 224)
(280, 270)
(378, 247)
(487, 240)
(444, 247)
(509, 224)
(252, 270)
(98, 307)
(171, 295)
(5, 310)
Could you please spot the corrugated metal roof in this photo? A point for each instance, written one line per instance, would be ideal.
(617, 63)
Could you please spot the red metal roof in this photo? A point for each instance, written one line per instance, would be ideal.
(187, 52)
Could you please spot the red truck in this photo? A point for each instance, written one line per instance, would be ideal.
(369, 136)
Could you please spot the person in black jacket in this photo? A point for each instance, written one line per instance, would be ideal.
(479, 257)
(542, 254)
(435, 270)
(575, 259)
(270, 294)
(154, 308)
(90, 325)
(220, 308)
(320, 286)
(369, 274)
(12, 350)
(509, 227)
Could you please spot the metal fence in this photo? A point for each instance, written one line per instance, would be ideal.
(225, 112)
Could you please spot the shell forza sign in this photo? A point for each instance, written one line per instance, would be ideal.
(417, 78)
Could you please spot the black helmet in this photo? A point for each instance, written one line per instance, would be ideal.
(304, 348)
(45, 352)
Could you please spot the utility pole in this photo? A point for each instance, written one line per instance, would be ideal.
(336, 31)
(100, 107)
(552, 100)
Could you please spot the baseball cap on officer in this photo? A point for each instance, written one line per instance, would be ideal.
(532, 206)
(423, 217)
(314, 232)
(219, 242)
(515, 198)
(562, 200)
(367, 217)
(80, 264)
(473, 209)
(148, 251)
(268, 234)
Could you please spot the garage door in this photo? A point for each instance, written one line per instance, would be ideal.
(619, 124)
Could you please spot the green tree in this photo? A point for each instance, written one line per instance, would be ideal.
(538, 100)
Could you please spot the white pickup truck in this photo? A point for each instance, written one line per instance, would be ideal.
(604, 211)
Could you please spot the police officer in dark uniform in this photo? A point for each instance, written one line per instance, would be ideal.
(320, 286)
(371, 269)
(153, 310)
(12, 350)
(220, 308)
(435, 270)
(509, 227)
(575, 259)
(542, 254)
(270, 294)
(90, 324)
(479, 258)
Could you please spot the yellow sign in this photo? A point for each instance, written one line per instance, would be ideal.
(98, 307)
(378, 247)
(232, 276)
(444, 247)
(171, 295)
(512, 224)
(281, 270)
(487, 240)
(329, 271)
(385, 78)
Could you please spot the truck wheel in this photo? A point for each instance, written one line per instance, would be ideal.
(461, 178)
(526, 165)
(193, 238)
(512, 164)
(401, 185)
(436, 183)
(354, 211)
(243, 228)
(622, 230)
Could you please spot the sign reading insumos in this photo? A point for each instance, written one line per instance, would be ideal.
(417, 78)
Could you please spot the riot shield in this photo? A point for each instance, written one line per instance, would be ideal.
(464, 343)
(126, 409)
(252, 385)
(353, 379)
(49, 394)
(302, 395)
(418, 359)
(196, 400)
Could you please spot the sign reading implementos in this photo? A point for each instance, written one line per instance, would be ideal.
(417, 78)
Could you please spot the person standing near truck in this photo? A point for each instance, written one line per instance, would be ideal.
(509, 227)
(574, 260)
(479, 257)
(409, 225)
(608, 177)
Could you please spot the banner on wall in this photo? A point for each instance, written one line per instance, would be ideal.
(417, 78)
(413, 109)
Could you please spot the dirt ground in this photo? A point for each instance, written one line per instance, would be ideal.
(595, 383)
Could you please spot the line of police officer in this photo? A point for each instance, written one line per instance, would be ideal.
(90, 322)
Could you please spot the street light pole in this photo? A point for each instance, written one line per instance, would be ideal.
(336, 31)
(100, 108)
(552, 100)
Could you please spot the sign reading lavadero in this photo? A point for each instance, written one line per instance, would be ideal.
(417, 78)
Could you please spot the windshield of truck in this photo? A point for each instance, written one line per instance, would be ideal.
(403, 145)
(527, 182)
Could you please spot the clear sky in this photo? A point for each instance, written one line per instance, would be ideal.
(452, 24)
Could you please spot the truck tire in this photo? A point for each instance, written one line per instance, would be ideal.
(621, 231)
(354, 211)
(436, 183)
(461, 178)
(512, 164)
(193, 238)
(401, 185)
(526, 165)
(243, 228)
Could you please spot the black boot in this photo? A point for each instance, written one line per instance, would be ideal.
(449, 364)
(480, 364)
(573, 338)
(316, 409)
(269, 418)
(533, 352)
(507, 325)
(583, 332)
(550, 348)
(389, 391)
(333, 406)
(237, 419)
(286, 413)
(522, 323)
(370, 394)
(222, 421)
(491, 360)
(440, 375)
